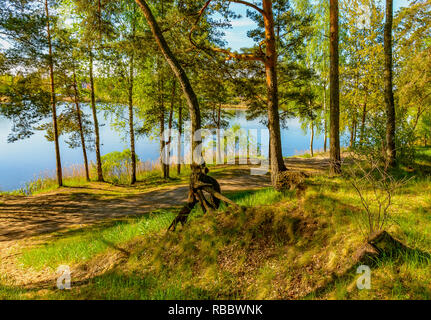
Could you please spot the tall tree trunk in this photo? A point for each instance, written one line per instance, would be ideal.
(131, 122)
(236, 152)
(99, 19)
(269, 153)
(179, 72)
(53, 100)
(81, 130)
(277, 162)
(225, 150)
(162, 145)
(355, 132)
(325, 137)
(162, 130)
(171, 114)
(352, 132)
(335, 156)
(311, 138)
(389, 95)
(96, 122)
(130, 94)
(363, 121)
(180, 132)
(219, 157)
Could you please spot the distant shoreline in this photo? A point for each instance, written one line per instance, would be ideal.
(236, 106)
(4, 100)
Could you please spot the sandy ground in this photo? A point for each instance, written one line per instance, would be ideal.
(24, 217)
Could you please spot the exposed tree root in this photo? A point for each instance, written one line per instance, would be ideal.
(199, 182)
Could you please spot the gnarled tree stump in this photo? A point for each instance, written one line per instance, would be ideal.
(200, 181)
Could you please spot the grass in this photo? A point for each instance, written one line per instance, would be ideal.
(80, 245)
(148, 175)
(280, 247)
(265, 196)
(306, 154)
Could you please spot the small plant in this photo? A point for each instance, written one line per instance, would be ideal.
(375, 188)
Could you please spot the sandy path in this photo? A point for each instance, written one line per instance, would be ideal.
(23, 217)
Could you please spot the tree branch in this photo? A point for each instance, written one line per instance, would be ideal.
(230, 54)
(251, 5)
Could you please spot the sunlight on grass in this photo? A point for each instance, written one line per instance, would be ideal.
(83, 244)
(266, 196)
(263, 252)
(148, 175)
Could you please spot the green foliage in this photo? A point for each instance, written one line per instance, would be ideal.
(27, 103)
(116, 166)
(374, 139)
(405, 143)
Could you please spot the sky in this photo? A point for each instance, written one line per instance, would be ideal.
(237, 36)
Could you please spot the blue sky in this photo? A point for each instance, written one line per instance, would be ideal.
(237, 36)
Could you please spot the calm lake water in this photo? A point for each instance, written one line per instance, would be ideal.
(23, 160)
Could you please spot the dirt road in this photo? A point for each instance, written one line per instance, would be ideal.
(23, 217)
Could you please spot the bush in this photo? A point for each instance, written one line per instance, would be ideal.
(373, 145)
(117, 166)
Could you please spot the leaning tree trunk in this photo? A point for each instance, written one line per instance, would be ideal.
(81, 130)
(53, 102)
(96, 122)
(199, 181)
(335, 156)
(277, 162)
(179, 72)
(389, 95)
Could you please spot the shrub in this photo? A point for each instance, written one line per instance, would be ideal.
(116, 166)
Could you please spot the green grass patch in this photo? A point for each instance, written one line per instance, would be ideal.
(118, 286)
(280, 247)
(265, 196)
(82, 244)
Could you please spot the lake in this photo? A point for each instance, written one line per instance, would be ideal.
(23, 160)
